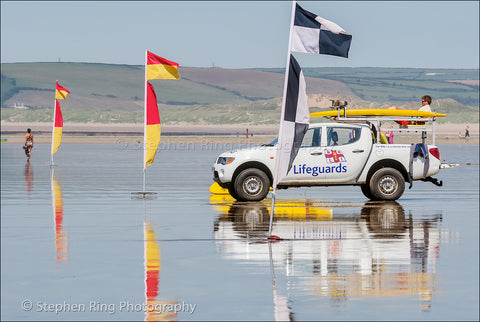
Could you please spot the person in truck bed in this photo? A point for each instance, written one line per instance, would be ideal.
(426, 101)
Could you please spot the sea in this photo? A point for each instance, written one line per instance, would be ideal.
(80, 242)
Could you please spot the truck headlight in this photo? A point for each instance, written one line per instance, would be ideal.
(225, 160)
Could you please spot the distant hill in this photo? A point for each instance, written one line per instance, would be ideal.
(396, 85)
(114, 93)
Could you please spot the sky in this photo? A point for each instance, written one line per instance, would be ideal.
(238, 34)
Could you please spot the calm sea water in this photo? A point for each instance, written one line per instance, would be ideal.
(76, 244)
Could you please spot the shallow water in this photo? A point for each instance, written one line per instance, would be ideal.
(77, 244)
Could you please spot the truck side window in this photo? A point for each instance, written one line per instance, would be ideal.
(342, 135)
(311, 138)
(354, 135)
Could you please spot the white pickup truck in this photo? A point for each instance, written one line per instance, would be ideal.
(332, 153)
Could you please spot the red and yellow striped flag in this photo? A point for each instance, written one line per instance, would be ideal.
(58, 127)
(161, 68)
(61, 92)
(153, 125)
(156, 68)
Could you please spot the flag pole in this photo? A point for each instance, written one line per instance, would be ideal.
(284, 99)
(145, 128)
(53, 126)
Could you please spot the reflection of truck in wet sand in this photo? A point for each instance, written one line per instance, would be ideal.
(331, 154)
(339, 253)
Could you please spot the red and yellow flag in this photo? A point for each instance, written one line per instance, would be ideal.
(61, 92)
(161, 68)
(153, 125)
(58, 127)
(156, 68)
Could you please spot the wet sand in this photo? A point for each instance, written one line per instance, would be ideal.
(78, 234)
(196, 134)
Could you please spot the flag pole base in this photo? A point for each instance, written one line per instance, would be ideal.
(274, 238)
(143, 195)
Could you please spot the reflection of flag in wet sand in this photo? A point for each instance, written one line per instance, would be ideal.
(60, 236)
(154, 309)
(282, 310)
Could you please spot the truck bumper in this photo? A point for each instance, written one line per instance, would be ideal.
(220, 178)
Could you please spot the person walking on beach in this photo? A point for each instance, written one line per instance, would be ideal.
(28, 144)
(426, 101)
(467, 132)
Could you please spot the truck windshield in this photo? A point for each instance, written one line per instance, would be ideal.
(272, 143)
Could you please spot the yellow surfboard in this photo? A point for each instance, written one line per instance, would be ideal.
(378, 112)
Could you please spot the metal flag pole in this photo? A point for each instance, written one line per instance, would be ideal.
(53, 126)
(284, 99)
(145, 128)
(271, 213)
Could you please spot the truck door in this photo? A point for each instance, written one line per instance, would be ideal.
(345, 152)
(307, 164)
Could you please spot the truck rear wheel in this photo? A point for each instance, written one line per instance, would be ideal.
(387, 184)
(251, 185)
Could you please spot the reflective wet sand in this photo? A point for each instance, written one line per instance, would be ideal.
(79, 244)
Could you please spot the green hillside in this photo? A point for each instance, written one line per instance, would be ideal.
(92, 86)
(398, 85)
(108, 93)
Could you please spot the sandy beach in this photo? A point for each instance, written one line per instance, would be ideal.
(186, 133)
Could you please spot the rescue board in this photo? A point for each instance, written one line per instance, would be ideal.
(378, 112)
(216, 189)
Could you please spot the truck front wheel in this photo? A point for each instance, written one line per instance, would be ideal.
(387, 184)
(366, 191)
(251, 185)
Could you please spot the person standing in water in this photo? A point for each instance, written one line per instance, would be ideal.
(28, 145)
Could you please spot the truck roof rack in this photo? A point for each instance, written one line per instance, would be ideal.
(408, 120)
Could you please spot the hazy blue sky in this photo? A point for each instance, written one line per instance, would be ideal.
(238, 34)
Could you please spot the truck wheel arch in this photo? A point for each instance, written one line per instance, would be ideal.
(387, 163)
(253, 164)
